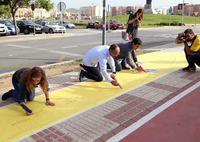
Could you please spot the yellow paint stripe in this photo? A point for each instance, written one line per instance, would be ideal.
(69, 101)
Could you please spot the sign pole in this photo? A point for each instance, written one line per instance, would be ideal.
(104, 23)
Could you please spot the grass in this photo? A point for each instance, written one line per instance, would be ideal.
(152, 20)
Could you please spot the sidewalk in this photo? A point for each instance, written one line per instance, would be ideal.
(105, 120)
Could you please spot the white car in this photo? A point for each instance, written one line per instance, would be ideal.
(52, 27)
(3, 29)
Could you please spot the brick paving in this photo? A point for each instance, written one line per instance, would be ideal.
(102, 122)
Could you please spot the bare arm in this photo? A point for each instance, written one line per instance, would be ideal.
(137, 17)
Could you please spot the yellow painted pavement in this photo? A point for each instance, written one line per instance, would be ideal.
(14, 124)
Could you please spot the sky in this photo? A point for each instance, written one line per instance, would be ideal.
(156, 3)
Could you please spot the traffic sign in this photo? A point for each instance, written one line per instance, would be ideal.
(196, 13)
(61, 6)
(170, 10)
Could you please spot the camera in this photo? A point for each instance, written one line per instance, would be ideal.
(182, 37)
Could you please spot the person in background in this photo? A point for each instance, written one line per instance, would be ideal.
(133, 24)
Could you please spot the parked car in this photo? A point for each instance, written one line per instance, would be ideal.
(3, 29)
(115, 24)
(91, 24)
(67, 24)
(27, 27)
(10, 26)
(52, 27)
(99, 25)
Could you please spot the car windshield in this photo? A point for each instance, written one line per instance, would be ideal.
(116, 21)
(7, 23)
(52, 23)
(28, 22)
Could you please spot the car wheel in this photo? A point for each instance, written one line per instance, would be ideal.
(50, 31)
(26, 31)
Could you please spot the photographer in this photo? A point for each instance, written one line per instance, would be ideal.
(191, 48)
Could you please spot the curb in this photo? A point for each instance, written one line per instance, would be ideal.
(44, 66)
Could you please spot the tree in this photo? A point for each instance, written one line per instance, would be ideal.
(15, 4)
(5, 11)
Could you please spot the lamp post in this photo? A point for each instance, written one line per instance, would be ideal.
(104, 23)
(182, 14)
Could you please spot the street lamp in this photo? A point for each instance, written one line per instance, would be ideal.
(182, 13)
(104, 23)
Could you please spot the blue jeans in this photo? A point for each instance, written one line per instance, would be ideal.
(16, 92)
(193, 58)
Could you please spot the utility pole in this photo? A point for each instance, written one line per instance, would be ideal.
(104, 23)
(182, 13)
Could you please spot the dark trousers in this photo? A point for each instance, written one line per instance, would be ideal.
(15, 93)
(193, 58)
(92, 73)
(118, 66)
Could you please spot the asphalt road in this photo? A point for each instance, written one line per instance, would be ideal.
(29, 53)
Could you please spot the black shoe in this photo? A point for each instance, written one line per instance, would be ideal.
(189, 68)
(7, 95)
(81, 75)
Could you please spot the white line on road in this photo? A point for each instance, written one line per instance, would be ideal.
(66, 53)
(20, 46)
(69, 47)
(93, 43)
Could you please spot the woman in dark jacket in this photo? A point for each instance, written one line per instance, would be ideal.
(134, 23)
(24, 81)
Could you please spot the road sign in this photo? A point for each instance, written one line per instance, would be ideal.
(61, 6)
(170, 10)
(196, 13)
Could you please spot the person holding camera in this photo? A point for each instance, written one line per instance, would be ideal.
(191, 47)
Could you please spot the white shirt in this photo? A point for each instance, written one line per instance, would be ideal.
(100, 54)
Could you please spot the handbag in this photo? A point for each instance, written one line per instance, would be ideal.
(125, 36)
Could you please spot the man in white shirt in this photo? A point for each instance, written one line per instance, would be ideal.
(100, 54)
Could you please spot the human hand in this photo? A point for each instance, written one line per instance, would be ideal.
(181, 34)
(114, 83)
(113, 75)
(27, 113)
(50, 103)
(139, 69)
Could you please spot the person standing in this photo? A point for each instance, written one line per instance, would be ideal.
(95, 60)
(133, 24)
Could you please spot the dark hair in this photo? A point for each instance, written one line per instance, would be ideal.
(139, 11)
(137, 41)
(190, 31)
(113, 47)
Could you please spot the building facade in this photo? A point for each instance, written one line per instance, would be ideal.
(121, 10)
(188, 9)
(92, 12)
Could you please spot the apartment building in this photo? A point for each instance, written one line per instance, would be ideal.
(92, 12)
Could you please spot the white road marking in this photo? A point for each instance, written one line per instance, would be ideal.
(148, 117)
(19, 46)
(66, 53)
(69, 47)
